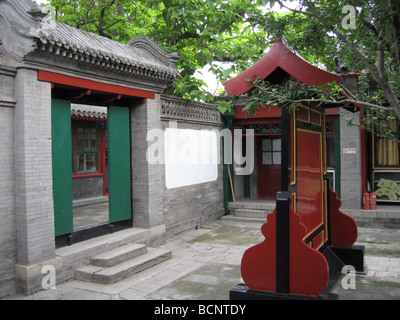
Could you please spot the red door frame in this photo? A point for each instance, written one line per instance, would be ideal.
(56, 78)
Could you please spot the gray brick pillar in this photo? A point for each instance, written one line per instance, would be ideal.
(8, 237)
(33, 178)
(351, 183)
(147, 184)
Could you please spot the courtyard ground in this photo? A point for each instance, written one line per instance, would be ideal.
(206, 265)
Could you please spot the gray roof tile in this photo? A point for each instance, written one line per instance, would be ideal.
(61, 39)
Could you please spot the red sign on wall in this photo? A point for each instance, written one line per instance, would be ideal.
(349, 150)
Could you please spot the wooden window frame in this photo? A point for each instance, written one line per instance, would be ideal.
(101, 148)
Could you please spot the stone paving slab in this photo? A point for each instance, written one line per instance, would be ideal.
(205, 265)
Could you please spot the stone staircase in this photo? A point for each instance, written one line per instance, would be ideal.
(251, 210)
(254, 210)
(122, 262)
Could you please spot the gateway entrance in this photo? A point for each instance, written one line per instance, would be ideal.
(91, 162)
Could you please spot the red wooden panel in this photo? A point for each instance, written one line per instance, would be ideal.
(343, 227)
(309, 180)
(315, 117)
(309, 272)
(303, 114)
(293, 149)
(259, 262)
(272, 112)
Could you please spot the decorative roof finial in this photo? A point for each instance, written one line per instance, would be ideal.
(37, 13)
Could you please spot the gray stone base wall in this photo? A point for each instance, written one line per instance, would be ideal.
(87, 188)
(8, 286)
(192, 206)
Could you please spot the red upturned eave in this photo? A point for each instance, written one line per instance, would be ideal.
(279, 56)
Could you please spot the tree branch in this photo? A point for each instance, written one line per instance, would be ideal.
(347, 101)
(100, 28)
(390, 96)
(294, 10)
(380, 78)
(340, 102)
(395, 18)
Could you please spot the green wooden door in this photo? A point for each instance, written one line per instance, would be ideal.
(62, 166)
(119, 164)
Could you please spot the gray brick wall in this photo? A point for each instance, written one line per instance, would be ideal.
(87, 188)
(146, 187)
(8, 236)
(33, 169)
(351, 193)
(191, 206)
(26, 197)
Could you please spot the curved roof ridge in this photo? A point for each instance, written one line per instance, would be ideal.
(279, 56)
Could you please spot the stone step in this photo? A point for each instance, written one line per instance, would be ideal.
(118, 255)
(232, 218)
(253, 205)
(109, 275)
(250, 213)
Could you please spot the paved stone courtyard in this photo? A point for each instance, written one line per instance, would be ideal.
(206, 265)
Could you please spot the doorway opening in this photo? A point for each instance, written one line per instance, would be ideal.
(89, 165)
(269, 167)
(91, 170)
(265, 181)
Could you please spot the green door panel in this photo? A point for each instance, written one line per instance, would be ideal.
(62, 166)
(119, 164)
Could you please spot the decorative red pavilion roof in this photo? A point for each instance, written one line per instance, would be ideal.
(279, 56)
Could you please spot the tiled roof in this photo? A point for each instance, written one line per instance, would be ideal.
(30, 30)
(86, 112)
(279, 56)
(66, 41)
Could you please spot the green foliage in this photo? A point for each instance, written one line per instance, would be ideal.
(374, 117)
(223, 106)
(266, 95)
(201, 31)
(239, 32)
(315, 30)
(379, 121)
